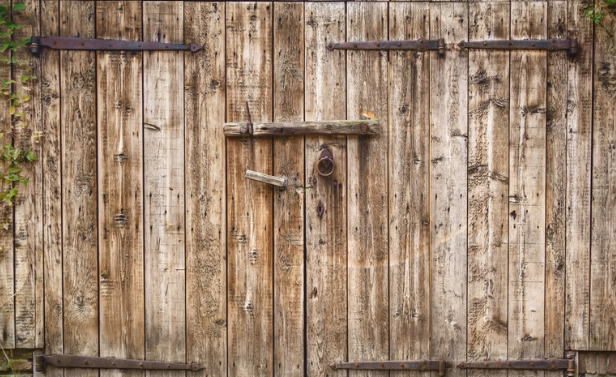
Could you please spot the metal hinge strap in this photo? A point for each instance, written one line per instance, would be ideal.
(553, 44)
(419, 365)
(549, 364)
(71, 43)
(418, 45)
(74, 361)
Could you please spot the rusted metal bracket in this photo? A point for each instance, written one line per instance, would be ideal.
(419, 365)
(549, 364)
(417, 45)
(72, 43)
(570, 45)
(326, 164)
(91, 362)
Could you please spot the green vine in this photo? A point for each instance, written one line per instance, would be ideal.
(13, 154)
(598, 13)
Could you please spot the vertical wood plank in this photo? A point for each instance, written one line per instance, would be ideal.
(409, 182)
(79, 189)
(289, 204)
(556, 181)
(488, 187)
(163, 123)
(527, 167)
(250, 217)
(603, 234)
(204, 91)
(368, 249)
(52, 199)
(449, 143)
(579, 154)
(120, 182)
(326, 234)
(29, 208)
(7, 233)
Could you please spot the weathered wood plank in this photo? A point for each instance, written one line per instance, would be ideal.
(52, 198)
(7, 227)
(249, 220)
(555, 189)
(330, 127)
(579, 154)
(164, 217)
(289, 298)
(368, 241)
(326, 235)
(448, 197)
(409, 183)
(120, 186)
(527, 167)
(79, 189)
(603, 233)
(488, 187)
(206, 281)
(29, 208)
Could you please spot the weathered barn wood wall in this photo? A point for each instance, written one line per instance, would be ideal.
(480, 223)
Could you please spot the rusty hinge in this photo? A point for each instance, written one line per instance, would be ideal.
(417, 44)
(74, 361)
(71, 43)
(419, 365)
(570, 45)
(549, 364)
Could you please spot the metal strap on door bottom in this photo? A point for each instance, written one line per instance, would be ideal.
(88, 44)
(92, 362)
(419, 365)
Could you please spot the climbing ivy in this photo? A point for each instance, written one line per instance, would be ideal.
(13, 156)
(599, 12)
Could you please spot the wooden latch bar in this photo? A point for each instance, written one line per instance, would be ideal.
(88, 44)
(549, 364)
(331, 127)
(419, 365)
(280, 182)
(92, 362)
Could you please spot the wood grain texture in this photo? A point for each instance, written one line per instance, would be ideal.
(409, 183)
(52, 198)
(368, 239)
(579, 155)
(448, 196)
(164, 219)
(250, 217)
(326, 235)
(29, 209)
(206, 281)
(289, 204)
(488, 187)
(7, 252)
(79, 186)
(328, 127)
(527, 168)
(120, 182)
(555, 188)
(603, 232)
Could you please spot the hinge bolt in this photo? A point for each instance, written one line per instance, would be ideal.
(485, 43)
(532, 364)
(508, 364)
(401, 365)
(378, 44)
(532, 44)
(510, 44)
(485, 364)
(355, 45)
(399, 44)
(85, 361)
(356, 365)
(424, 361)
(382, 365)
(330, 45)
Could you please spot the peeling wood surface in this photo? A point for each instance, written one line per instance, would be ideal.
(477, 224)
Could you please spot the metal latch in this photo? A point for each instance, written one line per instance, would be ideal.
(417, 45)
(71, 43)
(92, 362)
(570, 45)
(549, 364)
(419, 365)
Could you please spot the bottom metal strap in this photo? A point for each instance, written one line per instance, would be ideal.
(420, 365)
(74, 361)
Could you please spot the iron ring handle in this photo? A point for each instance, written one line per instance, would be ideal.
(326, 174)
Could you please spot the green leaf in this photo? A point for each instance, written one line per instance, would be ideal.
(19, 6)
